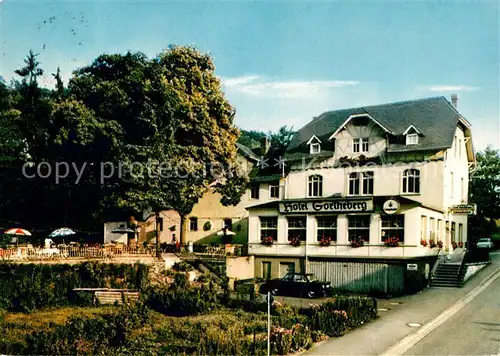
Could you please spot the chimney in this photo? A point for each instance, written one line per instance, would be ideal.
(454, 100)
(265, 144)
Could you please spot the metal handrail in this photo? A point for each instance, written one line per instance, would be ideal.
(461, 263)
(438, 261)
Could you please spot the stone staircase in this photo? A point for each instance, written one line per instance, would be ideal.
(213, 265)
(449, 275)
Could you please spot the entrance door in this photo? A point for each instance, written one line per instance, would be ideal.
(286, 267)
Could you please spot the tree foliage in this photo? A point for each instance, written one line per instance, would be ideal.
(485, 183)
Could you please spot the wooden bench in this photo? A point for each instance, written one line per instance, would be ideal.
(111, 296)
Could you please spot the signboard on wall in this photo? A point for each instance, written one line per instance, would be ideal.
(412, 267)
(464, 209)
(391, 206)
(327, 206)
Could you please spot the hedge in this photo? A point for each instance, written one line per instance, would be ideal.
(26, 287)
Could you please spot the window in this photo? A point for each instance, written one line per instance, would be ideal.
(367, 183)
(228, 223)
(274, 190)
(432, 232)
(300, 278)
(439, 233)
(456, 145)
(360, 145)
(411, 181)
(326, 227)
(462, 189)
(460, 233)
(287, 268)
(266, 270)
(361, 182)
(193, 224)
(412, 139)
(159, 221)
(393, 226)
(297, 227)
(315, 186)
(354, 184)
(269, 227)
(459, 148)
(452, 186)
(359, 227)
(453, 237)
(315, 148)
(254, 191)
(423, 226)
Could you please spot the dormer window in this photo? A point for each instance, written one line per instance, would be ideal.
(314, 144)
(412, 135)
(412, 139)
(315, 148)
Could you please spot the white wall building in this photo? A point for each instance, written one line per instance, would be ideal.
(396, 170)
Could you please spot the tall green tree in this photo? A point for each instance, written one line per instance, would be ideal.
(485, 183)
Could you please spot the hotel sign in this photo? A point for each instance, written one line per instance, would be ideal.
(327, 206)
(464, 209)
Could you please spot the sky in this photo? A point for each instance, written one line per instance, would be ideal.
(285, 62)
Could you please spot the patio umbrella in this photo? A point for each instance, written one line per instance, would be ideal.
(18, 232)
(228, 232)
(64, 231)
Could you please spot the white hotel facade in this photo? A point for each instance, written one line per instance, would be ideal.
(397, 170)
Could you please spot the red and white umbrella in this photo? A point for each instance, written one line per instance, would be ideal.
(19, 232)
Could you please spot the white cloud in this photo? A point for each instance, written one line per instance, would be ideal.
(448, 88)
(262, 87)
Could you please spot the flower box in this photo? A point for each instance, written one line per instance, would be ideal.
(325, 241)
(461, 244)
(295, 241)
(391, 242)
(454, 244)
(357, 242)
(267, 241)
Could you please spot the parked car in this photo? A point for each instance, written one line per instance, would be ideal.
(298, 285)
(485, 243)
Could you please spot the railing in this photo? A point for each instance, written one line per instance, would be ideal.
(71, 252)
(441, 257)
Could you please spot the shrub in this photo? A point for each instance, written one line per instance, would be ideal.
(26, 287)
(182, 267)
(83, 335)
(182, 298)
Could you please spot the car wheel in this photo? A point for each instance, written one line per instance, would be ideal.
(274, 291)
(311, 294)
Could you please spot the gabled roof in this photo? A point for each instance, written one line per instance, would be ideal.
(435, 118)
(247, 152)
(313, 137)
(358, 115)
(410, 128)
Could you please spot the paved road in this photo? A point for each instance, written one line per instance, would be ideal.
(474, 330)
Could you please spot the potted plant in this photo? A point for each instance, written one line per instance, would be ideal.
(432, 244)
(440, 244)
(325, 241)
(357, 242)
(268, 241)
(454, 244)
(391, 242)
(295, 241)
(423, 242)
(460, 244)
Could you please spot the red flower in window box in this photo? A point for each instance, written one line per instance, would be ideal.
(268, 241)
(460, 244)
(454, 244)
(432, 244)
(357, 242)
(423, 243)
(325, 241)
(391, 242)
(295, 241)
(440, 244)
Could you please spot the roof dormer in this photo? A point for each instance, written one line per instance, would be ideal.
(314, 144)
(412, 135)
